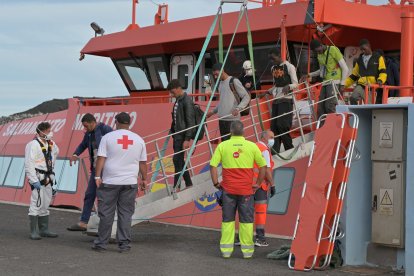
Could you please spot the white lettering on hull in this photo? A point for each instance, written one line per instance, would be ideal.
(29, 128)
(107, 118)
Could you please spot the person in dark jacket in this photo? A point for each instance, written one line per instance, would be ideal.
(182, 127)
(246, 78)
(91, 140)
(393, 75)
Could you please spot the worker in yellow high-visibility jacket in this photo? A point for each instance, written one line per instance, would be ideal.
(237, 157)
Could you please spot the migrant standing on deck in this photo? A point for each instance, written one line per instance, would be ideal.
(39, 161)
(369, 69)
(91, 140)
(237, 157)
(246, 78)
(121, 157)
(332, 66)
(183, 126)
(284, 81)
(228, 108)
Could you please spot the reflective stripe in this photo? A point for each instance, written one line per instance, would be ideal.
(247, 246)
(227, 238)
(261, 202)
(260, 226)
(226, 254)
(248, 255)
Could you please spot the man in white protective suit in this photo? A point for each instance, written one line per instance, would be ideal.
(39, 160)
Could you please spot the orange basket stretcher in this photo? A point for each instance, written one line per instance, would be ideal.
(316, 192)
(330, 230)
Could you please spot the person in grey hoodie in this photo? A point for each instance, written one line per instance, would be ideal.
(228, 108)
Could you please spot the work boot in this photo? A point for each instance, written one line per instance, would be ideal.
(44, 228)
(34, 231)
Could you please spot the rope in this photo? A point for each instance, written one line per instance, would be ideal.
(281, 254)
(242, 10)
(250, 47)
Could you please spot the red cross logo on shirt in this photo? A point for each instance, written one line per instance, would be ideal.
(125, 142)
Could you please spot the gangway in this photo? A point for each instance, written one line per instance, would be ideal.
(156, 203)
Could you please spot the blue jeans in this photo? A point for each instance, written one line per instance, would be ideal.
(89, 199)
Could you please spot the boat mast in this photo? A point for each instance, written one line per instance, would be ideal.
(133, 25)
(407, 52)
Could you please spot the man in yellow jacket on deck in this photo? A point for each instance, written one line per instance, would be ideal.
(237, 157)
(369, 69)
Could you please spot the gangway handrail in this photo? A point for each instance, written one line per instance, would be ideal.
(230, 115)
(252, 125)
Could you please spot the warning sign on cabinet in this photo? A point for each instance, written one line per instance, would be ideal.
(385, 140)
(386, 204)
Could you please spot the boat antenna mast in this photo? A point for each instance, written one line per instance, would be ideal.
(133, 25)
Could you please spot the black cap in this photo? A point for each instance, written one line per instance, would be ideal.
(123, 118)
(364, 41)
(315, 44)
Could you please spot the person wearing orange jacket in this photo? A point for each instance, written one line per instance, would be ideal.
(261, 195)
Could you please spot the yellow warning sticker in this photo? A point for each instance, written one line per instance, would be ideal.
(386, 206)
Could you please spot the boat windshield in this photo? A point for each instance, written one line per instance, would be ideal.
(141, 74)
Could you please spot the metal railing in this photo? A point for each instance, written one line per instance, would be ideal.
(251, 122)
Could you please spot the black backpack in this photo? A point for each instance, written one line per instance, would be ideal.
(198, 115)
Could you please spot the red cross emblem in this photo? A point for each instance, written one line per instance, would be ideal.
(125, 142)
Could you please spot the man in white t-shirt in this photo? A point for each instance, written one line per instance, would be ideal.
(121, 156)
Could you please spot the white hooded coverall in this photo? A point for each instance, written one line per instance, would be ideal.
(34, 159)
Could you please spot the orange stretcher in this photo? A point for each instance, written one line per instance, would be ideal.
(330, 229)
(316, 192)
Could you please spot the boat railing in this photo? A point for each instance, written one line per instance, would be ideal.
(371, 92)
(253, 125)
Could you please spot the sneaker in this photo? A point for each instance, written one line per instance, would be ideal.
(237, 241)
(98, 249)
(261, 243)
(124, 249)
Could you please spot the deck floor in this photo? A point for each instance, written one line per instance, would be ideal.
(158, 249)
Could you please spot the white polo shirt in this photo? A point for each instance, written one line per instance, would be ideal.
(123, 150)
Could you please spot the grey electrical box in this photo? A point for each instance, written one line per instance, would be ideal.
(388, 204)
(389, 131)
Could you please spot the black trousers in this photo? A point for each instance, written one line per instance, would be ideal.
(224, 127)
(178, 160)
(282, 124)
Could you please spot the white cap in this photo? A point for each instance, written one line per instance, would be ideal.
(247, 65)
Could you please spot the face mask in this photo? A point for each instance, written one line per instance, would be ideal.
(270, 143)
(47, 137)
(249, 72)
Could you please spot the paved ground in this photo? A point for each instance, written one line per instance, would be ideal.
(158, 249)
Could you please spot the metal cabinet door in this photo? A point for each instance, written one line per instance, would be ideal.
(388, 203)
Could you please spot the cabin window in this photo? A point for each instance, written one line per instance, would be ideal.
(4, 166)
(283, 178)
(66, 176)
(262, 63)
(158, 72)
(134, 74)
(15, 175)
(301, 60)
(182, 75)
(234, 63)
